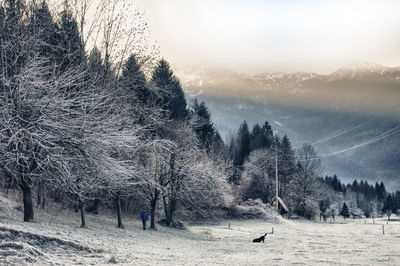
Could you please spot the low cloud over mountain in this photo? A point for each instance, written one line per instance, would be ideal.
(367, 87)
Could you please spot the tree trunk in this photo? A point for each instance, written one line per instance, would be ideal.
(39, 197)
(119, 217)
(43, 200)
(172, 207)
(83, 221)
(168, 206)
(166, 210)
(57, 195)
(28, 204)
(153, 205)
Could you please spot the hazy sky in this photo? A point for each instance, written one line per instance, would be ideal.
(276, 35)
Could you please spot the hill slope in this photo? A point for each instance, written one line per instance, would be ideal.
(56, 240)
(335, 112)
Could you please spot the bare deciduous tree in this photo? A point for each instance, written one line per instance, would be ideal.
(303, 187)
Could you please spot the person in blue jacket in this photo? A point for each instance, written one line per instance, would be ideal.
(144, 215)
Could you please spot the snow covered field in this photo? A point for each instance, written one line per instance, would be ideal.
(58, 240)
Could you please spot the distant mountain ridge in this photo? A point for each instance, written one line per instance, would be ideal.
(367, 86)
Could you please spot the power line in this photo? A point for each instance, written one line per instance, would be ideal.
(342, 132)
(386, 134)
(325, 139)
(365, 143)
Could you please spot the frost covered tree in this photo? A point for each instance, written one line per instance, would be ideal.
(323, 207)
(32, 116)
(29, 92)
(303, 187)
(258, 178)
(173, 169)
(49, 132)
(205, 191)
(356, 212)
(333, 211)
(92, 127)
(389, 206)
(153, 167)
(180, 160)
(192, 180)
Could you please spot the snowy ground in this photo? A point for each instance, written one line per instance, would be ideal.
(58, 240)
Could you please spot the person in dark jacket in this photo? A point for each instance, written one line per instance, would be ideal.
(144, 215)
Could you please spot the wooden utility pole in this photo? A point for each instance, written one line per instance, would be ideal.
(276, 176)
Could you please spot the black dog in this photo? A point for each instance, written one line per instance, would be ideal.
(260, 239)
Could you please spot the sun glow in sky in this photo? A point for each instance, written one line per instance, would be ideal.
(287, 35)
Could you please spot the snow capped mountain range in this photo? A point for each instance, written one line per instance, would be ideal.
(200, 77)
(365, 70)
(364, 85)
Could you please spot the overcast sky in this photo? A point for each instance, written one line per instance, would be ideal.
(286, 35)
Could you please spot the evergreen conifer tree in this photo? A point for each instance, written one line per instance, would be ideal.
(267, 134)
(256, 138)
(345, 211)
(71, 51)
(134, 81)
(171, 95)
(219, 145)
(203, 125)
(287, 165)
(244, 143)
(95, 67)
(44, 28)
(13, 35)
(396, 200)
(382, 190)
(2, 29)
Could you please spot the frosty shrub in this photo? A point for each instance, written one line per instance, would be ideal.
(311, 208)
(258, 176)
(253, 209)
(356, 213)
(333, 211)
(303, 187)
